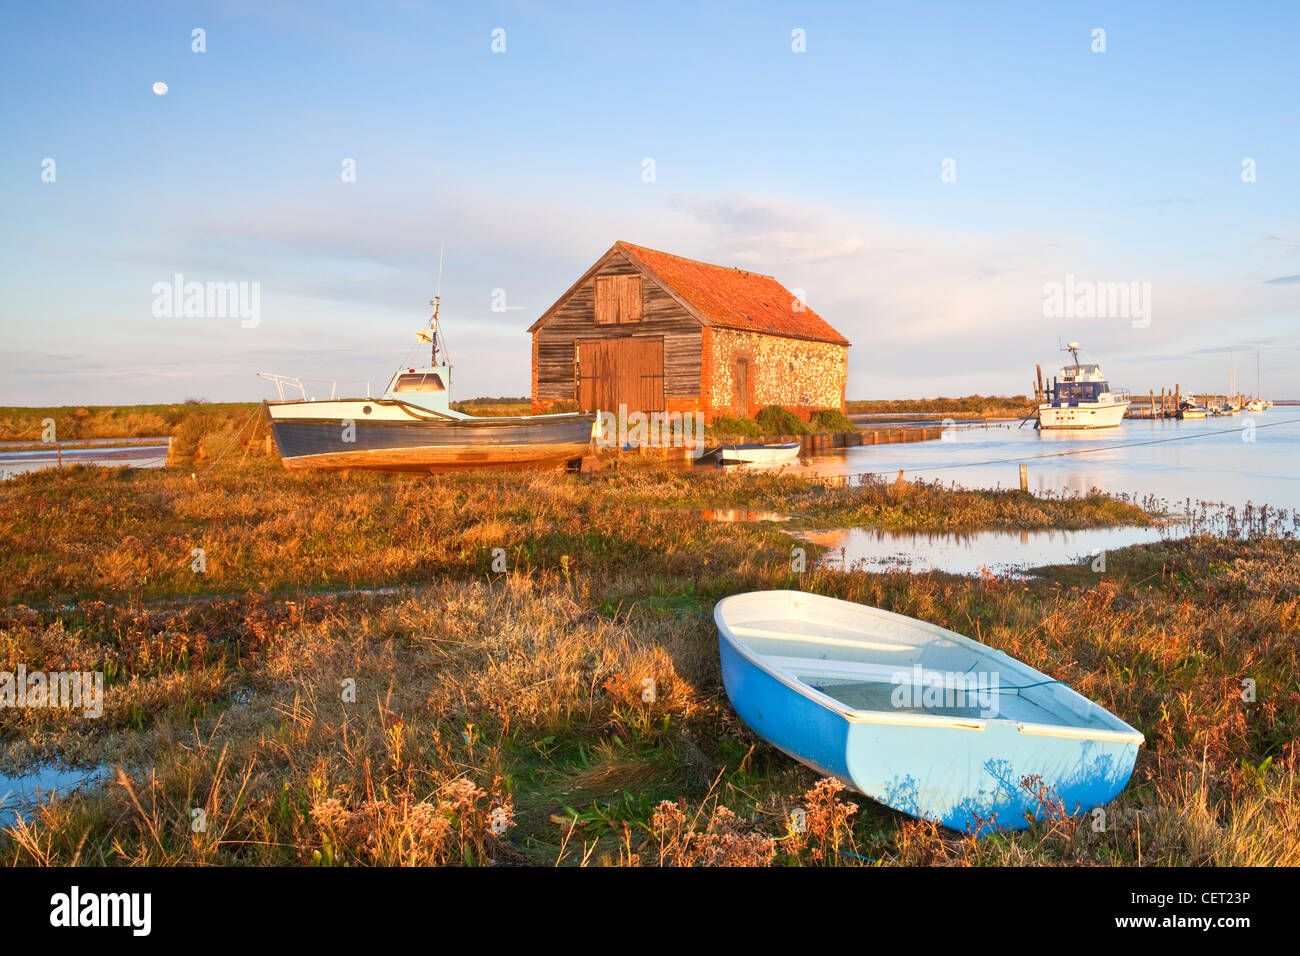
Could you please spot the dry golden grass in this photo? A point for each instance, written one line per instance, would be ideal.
(468, 716)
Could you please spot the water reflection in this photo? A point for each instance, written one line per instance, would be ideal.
(1000, 552)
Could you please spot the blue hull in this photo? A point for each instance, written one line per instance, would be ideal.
(433, 445)
(971, 776)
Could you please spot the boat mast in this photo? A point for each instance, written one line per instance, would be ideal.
(433, 322)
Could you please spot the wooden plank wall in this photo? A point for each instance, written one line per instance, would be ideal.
(576, 319)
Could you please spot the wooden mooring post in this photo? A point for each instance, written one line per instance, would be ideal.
(1024, 477)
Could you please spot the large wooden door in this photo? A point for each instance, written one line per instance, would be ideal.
(622, 371)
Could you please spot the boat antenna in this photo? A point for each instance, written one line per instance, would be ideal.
(1073, 349)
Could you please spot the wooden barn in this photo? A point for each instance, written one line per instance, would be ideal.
(657, 332)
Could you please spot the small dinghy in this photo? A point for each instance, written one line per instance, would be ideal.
(760, 454)
(920, 718)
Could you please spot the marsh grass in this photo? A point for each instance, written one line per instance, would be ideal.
(107, 534)
(463, 716)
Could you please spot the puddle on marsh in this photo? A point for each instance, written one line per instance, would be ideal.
(24, 792)
(1001, 552)
(38, 459)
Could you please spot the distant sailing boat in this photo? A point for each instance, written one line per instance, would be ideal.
(1260, 404)
(1231, 406)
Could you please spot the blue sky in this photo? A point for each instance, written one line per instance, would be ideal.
(822, 168)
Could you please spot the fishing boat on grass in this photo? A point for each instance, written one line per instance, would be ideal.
(924, 720)
(1082, 398)
(413, 428)
(760, 454)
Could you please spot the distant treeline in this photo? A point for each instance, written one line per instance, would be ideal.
(986, 406)
(74, 422)
(496, 401)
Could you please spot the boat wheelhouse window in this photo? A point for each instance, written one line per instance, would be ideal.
(419, 382)
(1080, 391)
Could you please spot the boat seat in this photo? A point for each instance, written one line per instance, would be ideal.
(820, 667)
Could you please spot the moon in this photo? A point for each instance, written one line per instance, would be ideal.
(160, 88)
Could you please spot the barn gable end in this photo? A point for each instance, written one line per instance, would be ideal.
(559, 334)
(661, 333)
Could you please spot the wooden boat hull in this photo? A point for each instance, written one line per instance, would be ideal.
(968, 772)
(431, 445)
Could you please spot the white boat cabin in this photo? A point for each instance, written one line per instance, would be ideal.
(424, 387)
(1084, 383)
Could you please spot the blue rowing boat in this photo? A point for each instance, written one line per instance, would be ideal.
(924, 720)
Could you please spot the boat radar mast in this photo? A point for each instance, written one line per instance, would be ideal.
(431, 334)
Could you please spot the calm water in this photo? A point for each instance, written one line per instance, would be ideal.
(1203, 464)
(137, 456)
(1001, 552)
(24, 793)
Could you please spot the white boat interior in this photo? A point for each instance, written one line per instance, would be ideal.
(859, 657)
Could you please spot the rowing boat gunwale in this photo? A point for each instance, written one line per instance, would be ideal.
(853, 715)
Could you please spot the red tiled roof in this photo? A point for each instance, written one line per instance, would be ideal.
(733, 298)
